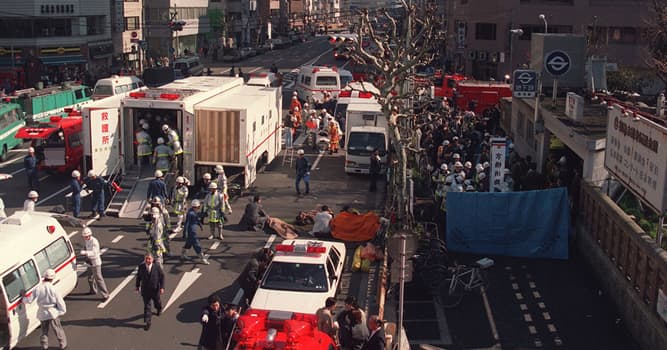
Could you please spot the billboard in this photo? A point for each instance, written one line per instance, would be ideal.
(636, 154)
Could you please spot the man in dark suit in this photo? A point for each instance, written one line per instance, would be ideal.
(376, 339)
(150, 281)
(254, 216)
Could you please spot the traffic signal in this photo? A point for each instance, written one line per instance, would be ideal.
(176, 26)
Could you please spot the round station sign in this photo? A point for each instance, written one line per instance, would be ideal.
(557, 63)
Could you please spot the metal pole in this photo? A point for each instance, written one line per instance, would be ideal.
(401, 292)
(659, 234)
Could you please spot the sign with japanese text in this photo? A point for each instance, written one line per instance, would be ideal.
(104, 135)
(498, 149)
(636, 155)
(524, 83)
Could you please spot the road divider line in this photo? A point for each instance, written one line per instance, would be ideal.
(317, 161)
(53, 195)
(172, 235)
(118, 238)
(17, 171)
(237, 297)
(72, 234)
(214, 246)
(120, 287)
(44, 177)
(186, 281)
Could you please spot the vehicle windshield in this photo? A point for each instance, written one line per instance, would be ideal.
(103, 90)
(296, 277)
(363, 143)
(341, 109)
(55, 140)
(326, 81)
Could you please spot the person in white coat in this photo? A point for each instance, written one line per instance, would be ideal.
(94, 262)
(29, 204)
(50, 307)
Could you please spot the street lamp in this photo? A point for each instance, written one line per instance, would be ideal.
(546, 26)
(513, 32)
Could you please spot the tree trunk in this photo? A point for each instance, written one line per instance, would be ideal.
(398, 191)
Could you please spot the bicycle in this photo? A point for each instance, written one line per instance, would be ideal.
(465, 279)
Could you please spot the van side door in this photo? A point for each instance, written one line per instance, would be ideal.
(22, 316)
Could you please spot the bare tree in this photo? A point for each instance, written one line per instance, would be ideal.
(657, 39)
(392, 43)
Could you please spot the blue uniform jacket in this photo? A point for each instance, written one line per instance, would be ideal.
(30, 164)
(157, 188)
(75, 186)
(191, 223)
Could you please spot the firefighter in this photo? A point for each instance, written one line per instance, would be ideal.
(179, 197)
(172, 135)
(29, 204)
(295, 102)
(178, 155)
(439, 179)
(334, 137)
(190, 234)
(297, 116)
(144, 145)
(162, 156)
(155, 232)
(213, 209)
(221, 180)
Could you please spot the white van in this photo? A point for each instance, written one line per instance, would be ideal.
(31, 243)
(116, 85)
(313, 81)
(265, 79)
(188, 66)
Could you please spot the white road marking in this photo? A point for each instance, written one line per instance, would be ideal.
(546, 316)
(317, 161)
(172, 235)
(538, 343)
(18, 171)
(214, 246)
(523, 307)
(44, 177)
(72, 234)
(118, 238)
(237, 297)
(536, 295)
(515, 286)
(532, 285)
(551, 328)
(186, 281)
(81, 267)
(90, 222)
(120, 287)
(53, 195)
(518, 296)
(541, 305)
(532, 330)
(527, 318)
(558, 341)
(269, 241)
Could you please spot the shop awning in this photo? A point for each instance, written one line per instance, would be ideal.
(7, 62)
(58, 60)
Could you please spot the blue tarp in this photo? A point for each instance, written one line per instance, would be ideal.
(532, 224)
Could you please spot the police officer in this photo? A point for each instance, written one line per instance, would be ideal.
(162, 156)
(203, 186)
(75, 187)
(190, 234)
(157, 187)
(144, 145)
(213, 207)
(29, 204)
(30, 163)
(97, 185)
(179, 197)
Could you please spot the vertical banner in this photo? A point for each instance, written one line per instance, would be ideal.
(104, 139)
(498, 148)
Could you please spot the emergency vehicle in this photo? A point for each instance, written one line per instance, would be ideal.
(32, 242)
(116, 85)
(58, 142)
(40, 104)
(474, 95)
(301, 276)
(313, 82)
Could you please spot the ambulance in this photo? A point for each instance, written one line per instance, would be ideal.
(314, 81)
(31, 242)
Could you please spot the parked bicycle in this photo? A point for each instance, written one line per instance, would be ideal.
(465, 279)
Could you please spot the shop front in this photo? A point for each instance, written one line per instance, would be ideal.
(100, 54)
(60, 64)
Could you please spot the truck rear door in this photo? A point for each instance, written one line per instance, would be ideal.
(102, 140)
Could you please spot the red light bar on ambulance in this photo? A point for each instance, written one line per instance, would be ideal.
(137, 94)
(300, 248)
(170, 97)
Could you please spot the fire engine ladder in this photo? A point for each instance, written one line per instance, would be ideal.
(288, 156)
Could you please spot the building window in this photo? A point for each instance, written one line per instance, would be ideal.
(485, 31)
(95, 25)
(131, 23)
(529, 29)
(622, 35)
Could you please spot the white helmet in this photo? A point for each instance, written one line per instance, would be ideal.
(443, 166)
(91, 173)
(180, 180)
(155, 211)
(323, 110)
(294, 93)
(213, 186)
(470, 188)
(31, 150)
(33, 194)
(458, 165)
(479, 167)
(305, 104)
(219, 169)
(158, 173)
(207, 176)
(300, 152)
(165, 127)
(76, 173)
(49, 274)
(145, 126)
(87, 232)
(156, 200)
(160, 141)
(294, 97)
(562, 160)
(456, 156)
(467, 165)
(482, 176)
(195, 203)
(445, 143)
(486, 165)
(142, 121)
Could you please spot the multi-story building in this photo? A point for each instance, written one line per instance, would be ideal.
(162, 41)
(50, 41)
(242, 22)
(127, 33)
(485, 42)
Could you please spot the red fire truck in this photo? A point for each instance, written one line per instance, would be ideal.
(470, 94)
(58, 142)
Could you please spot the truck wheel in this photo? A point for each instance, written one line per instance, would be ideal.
(5, 154)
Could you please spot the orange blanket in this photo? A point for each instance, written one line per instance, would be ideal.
(355, 228)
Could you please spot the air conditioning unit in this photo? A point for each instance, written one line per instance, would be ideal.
(482, 56)
(472, 55)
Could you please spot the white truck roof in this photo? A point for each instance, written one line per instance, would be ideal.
(361, 106)
(188, 91)
(203, 83)
(238, 99)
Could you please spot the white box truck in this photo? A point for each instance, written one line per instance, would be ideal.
(240, 130)
(365, 131)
